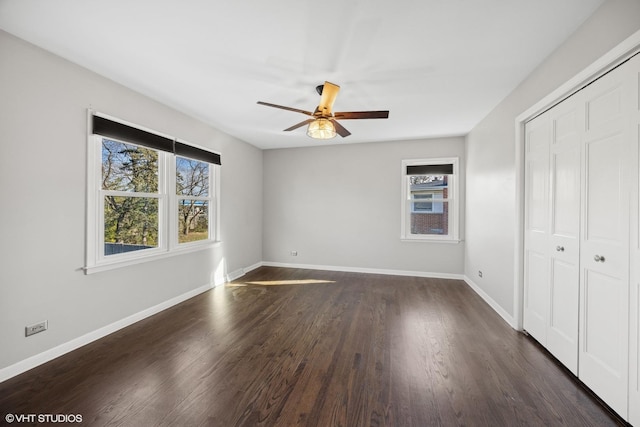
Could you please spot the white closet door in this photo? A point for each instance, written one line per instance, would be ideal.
(536, 250)
(604, 246)
(567, 120)
(634, 341)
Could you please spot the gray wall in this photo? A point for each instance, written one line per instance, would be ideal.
(339, 205)
(42, 220)
(491, 189)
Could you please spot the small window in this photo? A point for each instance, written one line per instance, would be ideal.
(429, 205)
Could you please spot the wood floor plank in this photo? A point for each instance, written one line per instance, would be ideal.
(313, 348)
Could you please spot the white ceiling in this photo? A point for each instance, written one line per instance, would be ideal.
(439, 66)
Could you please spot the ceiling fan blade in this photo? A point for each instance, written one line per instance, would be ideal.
(341, 130)
(306, 122)
(348, 115)
(329, 94)
(282, 107)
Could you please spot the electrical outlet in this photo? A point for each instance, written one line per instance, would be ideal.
(480, 273)
(294, 253)
(34, 329)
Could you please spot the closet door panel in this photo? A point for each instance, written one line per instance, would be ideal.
(566, 192)
(563, 321)
(536, 295)
(536, 258)
(604, 192)
(604, 245)
(601, 343)
(562, 333)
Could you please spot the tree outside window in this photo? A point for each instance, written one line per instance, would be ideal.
(192, 189)
(130, 191)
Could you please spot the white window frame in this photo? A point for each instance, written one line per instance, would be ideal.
(452, 199)
(168, 245)
(211, 199)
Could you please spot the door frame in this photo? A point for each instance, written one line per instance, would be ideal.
(601, 66)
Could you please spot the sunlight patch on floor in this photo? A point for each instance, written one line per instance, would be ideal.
(282, 282)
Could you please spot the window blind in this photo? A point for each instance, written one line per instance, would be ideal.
(192, 152)
(112, 129)
(444, 169)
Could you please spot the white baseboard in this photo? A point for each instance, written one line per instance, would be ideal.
(494, 305)
(366, 270)
(45, 356)
(242, 271)
(234, 275)
(253, 267)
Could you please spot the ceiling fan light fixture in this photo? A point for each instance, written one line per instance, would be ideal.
(323, 123)
(321, 129)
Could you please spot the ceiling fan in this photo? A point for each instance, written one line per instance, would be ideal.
(323, 123)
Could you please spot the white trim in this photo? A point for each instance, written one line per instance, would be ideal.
(235, 275)
(174, 200)
(253, 267)
(494, 305)
(242, 271)
(623, 51)
(194, 247)
(46, 356)
(518, 292)
(91, 228)
(366, 270)
(215, 234)
(428, 240)
(219, 281)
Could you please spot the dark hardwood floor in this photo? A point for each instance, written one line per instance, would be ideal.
(354, 350)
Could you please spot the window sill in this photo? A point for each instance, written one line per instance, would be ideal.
(112, 265)
(430, 240)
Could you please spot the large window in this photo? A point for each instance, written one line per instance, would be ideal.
(429, 199)
(129, 196)
(149, 195)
